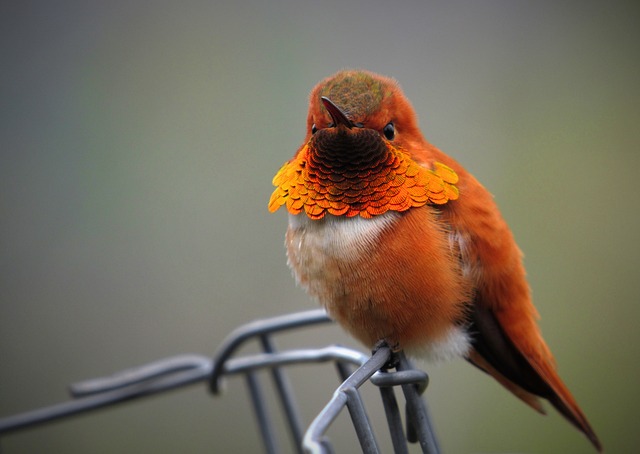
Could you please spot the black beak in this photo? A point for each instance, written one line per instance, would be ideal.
(337, 115)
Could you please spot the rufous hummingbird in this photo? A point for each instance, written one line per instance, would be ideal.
(401, 244)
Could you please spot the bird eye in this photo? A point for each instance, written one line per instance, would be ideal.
(314, 129)
(389, 131)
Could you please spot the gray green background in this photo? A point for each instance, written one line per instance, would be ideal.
(138, 141)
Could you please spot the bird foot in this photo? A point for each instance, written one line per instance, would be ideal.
(393, 360)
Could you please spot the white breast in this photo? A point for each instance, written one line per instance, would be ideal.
(322, 253)
(338, 237)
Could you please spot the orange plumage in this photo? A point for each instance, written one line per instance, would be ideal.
(400, 243)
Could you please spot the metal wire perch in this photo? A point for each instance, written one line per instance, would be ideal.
(184, 370)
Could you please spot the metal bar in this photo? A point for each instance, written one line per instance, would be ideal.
(115, 389)
(318, 355)
(402, 377)
(245, 332)
(314, 441)
(364, 429)
(140, 374)
(285, 391)
(415, 377)
(417, 415)
(343, 370)
(104, 399)
(392, 411)
(262, 415)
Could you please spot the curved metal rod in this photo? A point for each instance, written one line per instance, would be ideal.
(165, 375)
(317, 355)
(260, 327)
(412, 381)
(402, 377)
(314, 437)
(140, 374)
(110, 396)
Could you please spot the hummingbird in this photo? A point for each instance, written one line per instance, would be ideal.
(402, 245)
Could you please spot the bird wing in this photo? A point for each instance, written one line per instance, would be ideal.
(506, 340)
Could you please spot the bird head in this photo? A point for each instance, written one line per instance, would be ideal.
(357, 155)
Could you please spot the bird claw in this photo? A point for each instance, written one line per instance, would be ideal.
(393, 360)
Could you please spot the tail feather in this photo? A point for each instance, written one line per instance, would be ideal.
(528, 398)
(562, 399)
(527, 376)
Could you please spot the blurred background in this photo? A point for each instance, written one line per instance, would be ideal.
(137, 145)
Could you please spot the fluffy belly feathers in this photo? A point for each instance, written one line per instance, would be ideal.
(392, 277)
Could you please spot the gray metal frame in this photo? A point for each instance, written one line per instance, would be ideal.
(183, 370)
